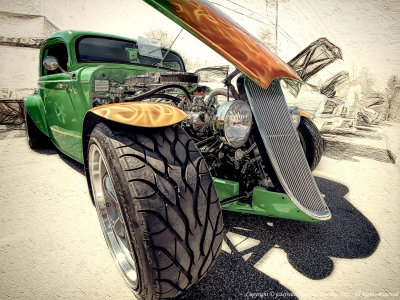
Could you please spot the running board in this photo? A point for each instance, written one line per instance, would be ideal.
(284, 149)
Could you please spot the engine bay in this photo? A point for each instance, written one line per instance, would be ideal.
(221, 127)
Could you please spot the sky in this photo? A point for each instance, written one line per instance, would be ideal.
(367, 31)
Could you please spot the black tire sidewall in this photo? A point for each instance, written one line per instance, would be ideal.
(312, 140)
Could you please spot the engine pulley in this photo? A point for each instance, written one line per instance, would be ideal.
(199, 122)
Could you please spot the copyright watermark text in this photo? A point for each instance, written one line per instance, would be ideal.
(361, 294)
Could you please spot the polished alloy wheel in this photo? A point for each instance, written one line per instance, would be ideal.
(110, 215)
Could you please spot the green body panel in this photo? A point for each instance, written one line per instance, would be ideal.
(264, 202)
(226, 188)
(63, 111)
(63, 100)
(34, 107)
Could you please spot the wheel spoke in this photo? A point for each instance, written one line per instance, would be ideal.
(109, 188)
(119, 230)
(100, 166)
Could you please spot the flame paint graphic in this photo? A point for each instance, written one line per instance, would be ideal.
(141, 114)
(226, 37)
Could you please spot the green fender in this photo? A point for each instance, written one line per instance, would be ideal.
(35, 108)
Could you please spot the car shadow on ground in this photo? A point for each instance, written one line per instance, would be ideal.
(72, 163)
(309, 248)
(348, 151)
(52, 150)
(367, 132)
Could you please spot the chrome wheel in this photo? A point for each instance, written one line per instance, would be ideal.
(140, 212)
(110, 215)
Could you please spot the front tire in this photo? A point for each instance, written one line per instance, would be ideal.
(157, 205)
(311, 141)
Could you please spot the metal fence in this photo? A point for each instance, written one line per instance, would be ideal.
(11, 112)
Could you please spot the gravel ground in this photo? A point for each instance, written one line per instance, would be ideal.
(51, 245)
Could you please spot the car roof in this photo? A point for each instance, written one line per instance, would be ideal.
(71, 35)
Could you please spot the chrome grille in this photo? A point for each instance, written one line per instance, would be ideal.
(284, 149)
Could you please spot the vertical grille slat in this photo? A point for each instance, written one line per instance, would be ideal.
(284, 148)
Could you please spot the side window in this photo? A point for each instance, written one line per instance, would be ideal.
(60, 52)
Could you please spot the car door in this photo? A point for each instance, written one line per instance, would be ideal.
(58, 91)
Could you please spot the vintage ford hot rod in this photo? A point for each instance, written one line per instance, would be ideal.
(161, 156)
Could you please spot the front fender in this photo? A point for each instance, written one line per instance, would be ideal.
(139, 114)
(35, 108)
(305, 114)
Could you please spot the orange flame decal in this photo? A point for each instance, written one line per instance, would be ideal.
(141, 114)
(226, 37)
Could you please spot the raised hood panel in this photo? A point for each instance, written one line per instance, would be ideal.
(222, 34)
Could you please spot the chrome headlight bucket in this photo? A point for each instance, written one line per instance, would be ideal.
(235, 119)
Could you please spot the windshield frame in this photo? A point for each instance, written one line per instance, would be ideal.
(163, 50)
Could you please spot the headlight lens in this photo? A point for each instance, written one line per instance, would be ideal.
(236, 118)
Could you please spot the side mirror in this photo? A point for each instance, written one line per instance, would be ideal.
(50, 63)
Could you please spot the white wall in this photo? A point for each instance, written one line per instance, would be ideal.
(20, 71)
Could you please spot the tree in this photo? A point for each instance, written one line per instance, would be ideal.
(366, 81)
(267, 38)
(166, 39)
(393, 97)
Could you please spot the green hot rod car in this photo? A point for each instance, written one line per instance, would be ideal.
(162, 156)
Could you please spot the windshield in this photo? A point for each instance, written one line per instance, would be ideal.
(102, 49)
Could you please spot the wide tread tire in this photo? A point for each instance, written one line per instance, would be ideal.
(36, 138)
(313, 143)
(169, 203)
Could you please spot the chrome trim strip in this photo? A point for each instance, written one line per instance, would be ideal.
(275, 124)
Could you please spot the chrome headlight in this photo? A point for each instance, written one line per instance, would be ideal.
(235, 119)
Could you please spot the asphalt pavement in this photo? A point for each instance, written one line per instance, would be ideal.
(51, 245)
